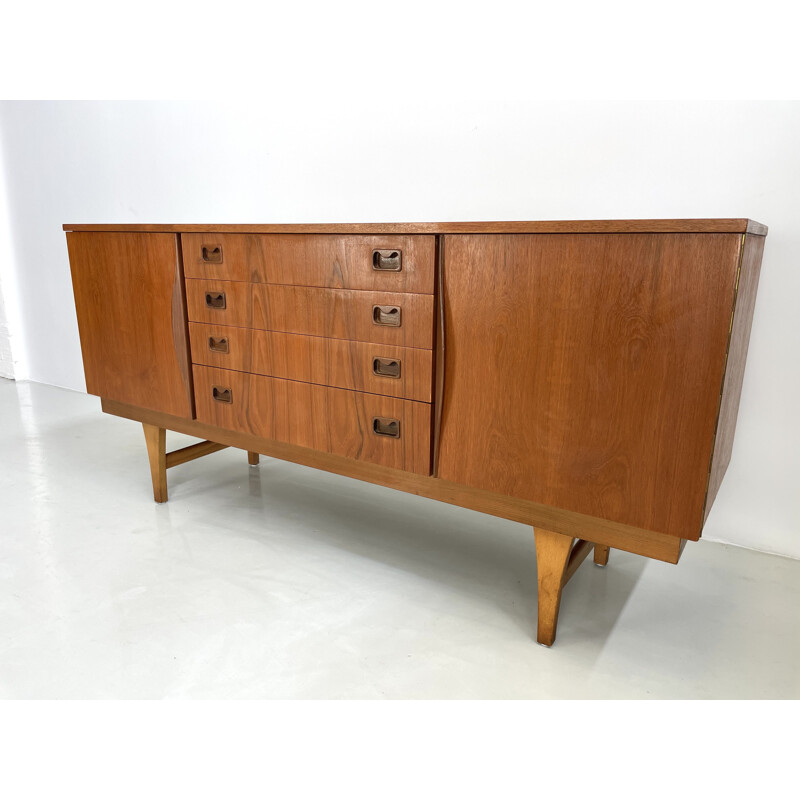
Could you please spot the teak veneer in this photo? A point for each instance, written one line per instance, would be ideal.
(582, 378)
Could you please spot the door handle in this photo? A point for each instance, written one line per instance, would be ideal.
(211, 253)
(215, 299)
(222, 394)
(386, 427)
(387, 260)
(218, 345)
(386, 315)
(386, 367)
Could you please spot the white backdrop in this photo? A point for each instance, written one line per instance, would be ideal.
(418, 158)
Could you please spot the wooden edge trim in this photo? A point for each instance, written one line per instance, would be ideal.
(438, 355)
(660, 546)
(727, 225)
(577, 556)
(742, 243)
(192, 452)
(180, 326)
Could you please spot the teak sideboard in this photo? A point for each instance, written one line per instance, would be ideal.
(579, 377)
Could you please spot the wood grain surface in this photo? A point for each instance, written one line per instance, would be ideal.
(313, 359)
(737, 355)
(517, 226)
(333, 313)
(583, 371)
(318, 417)
(613, 534)
(328, 261)
(132, 319)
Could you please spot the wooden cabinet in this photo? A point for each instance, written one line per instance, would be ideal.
(579, 377)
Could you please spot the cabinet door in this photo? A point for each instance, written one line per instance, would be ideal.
(583, 371)
(132, 319)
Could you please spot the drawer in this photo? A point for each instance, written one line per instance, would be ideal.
(368, 427)
(380, 369)
(405, 320)
(375, 263)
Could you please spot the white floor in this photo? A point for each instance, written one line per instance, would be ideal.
(283, 582)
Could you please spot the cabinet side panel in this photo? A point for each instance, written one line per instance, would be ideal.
(134, 350)
(737, 355)
(583, 370)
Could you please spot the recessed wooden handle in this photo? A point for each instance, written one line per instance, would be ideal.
(218, 345)
(222, 394)
(386, 367)
(386, 427)
(386, 315)
(387, 260)
(212, 253)
(215, 299)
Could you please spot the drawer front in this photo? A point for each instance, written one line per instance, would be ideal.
(380, 369)
(382, 430)
(376, 263)
(405, 320)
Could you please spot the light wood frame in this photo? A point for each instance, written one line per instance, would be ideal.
(560, 536)
(155, 438)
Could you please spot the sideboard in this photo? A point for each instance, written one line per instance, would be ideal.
(582, 378)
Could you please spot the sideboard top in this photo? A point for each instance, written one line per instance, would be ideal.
(562, 226)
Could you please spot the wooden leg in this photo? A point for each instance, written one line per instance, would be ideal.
(601, 555)
(552, 557)
(156, 439)
(252, 458)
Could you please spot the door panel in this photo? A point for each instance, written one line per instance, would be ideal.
(132, 319)
(583, 371)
